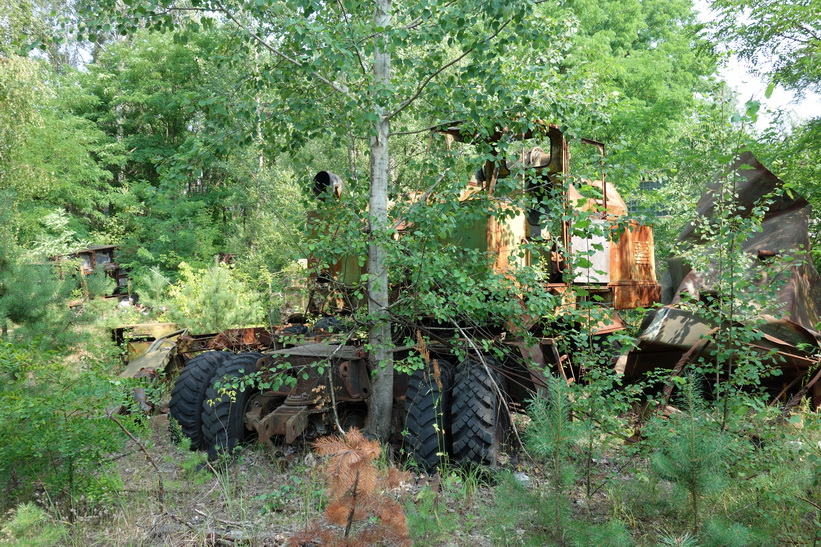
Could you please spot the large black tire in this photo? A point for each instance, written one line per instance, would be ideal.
(427, 420)
(480, 418)
(223, 414)
(189, 392)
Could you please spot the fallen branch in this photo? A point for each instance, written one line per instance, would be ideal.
(221, 521)
(160, 484)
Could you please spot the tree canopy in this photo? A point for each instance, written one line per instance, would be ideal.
(182, 131)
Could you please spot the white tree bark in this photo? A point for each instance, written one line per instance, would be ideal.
(379, 336)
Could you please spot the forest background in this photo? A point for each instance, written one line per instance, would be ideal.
(172, 131)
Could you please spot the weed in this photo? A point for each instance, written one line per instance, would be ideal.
(31, 526)
(429, 518)
(194, 466)
(462, 482)
(303, 489)
(278, 500)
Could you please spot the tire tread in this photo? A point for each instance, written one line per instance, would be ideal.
(428, 415)
(189, 392)
(223, 425)
(480, 420)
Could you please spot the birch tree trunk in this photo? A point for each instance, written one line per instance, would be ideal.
(379, 336)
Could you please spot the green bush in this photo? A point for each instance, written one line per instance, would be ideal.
(56, 435)
(212, 300)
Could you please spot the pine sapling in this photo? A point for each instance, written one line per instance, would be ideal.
(356, 492)
(692, 452)
(553, 435)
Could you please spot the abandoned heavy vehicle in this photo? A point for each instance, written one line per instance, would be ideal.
(780, 331)
(458, 404)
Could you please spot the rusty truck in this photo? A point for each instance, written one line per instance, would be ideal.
(458, 404)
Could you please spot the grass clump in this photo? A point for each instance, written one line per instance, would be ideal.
(31, 526)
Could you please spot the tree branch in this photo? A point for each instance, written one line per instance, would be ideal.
(813, 34)
(275, 51)
(346, 16)
(422, 199)
(441, 69)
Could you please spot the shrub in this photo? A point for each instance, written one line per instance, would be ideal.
(212, 300)
(57, 437)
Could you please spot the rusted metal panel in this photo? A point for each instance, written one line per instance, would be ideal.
(669, 332)
(355, 378)
(635, 295)
(323, 350)
(784, 232)
(633, 257)
(311, 394)
(243, 339)
(156, 358)
(607, 321)
(138, 337)
(610, 203)
(287, 421)
(504, 240)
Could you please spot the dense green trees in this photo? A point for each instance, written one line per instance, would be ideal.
(192, 134)
(183, 135)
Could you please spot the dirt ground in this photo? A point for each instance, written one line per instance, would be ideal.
(263, 498)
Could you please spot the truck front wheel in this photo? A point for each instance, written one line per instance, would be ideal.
(225, 404)
(427, 406)
(189, 392)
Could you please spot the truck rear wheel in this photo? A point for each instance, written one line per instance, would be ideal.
(223, 410)
(480, 418)
(427, 420)
(189, 392)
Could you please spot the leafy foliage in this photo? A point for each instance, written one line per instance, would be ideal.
(49, 412)
(212, 300)
(781, 38)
